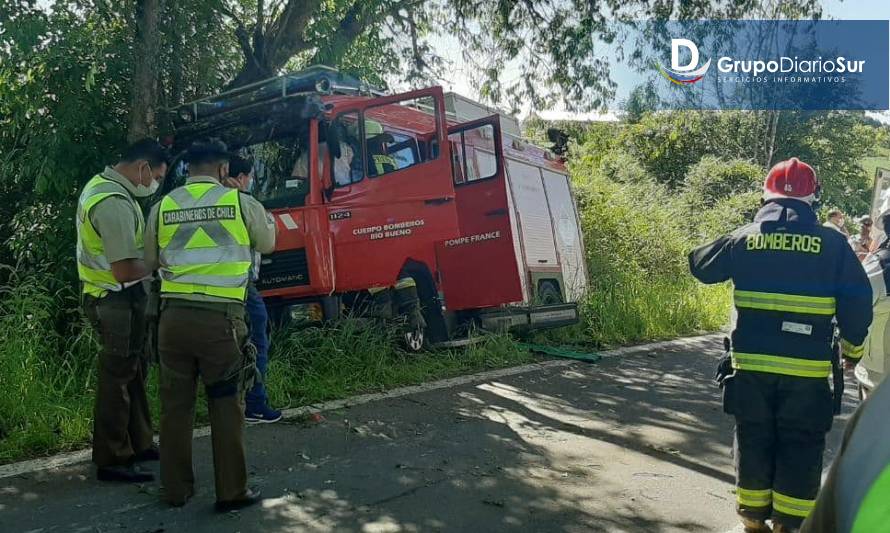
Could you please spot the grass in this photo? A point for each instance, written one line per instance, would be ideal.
(47, 378)
(635, 309)
(339, 360)
(879, 159)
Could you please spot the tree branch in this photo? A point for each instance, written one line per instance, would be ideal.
(259, 40)
(231, 14)
(240, 33)
(353, 23)
(419, 63)
(273, 16)
(285, 37)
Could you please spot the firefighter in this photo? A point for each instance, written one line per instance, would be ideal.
(856, 495)
(111, 268)
(201, 236)
(379, 160)
(794, 280)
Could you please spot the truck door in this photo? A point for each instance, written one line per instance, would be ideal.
(392, 197)
(479, 267)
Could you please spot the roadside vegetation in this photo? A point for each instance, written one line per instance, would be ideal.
(653, 185)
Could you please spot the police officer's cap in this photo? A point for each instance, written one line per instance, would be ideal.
(208, 151)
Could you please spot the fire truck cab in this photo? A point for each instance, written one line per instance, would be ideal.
(367, 189)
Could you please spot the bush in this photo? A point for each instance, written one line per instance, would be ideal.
(725, 216)
(637, 238)
(719, 196)
(621, 167)
(46, 378)
(712, 179)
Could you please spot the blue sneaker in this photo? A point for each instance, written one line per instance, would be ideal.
(262, 415)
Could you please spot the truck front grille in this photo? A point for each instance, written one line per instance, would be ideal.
(284, 269)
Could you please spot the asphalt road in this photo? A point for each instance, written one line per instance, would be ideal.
(636, 442)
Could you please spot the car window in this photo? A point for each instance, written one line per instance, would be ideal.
(473, 154)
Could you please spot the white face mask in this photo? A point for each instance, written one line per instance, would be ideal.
(144, 191)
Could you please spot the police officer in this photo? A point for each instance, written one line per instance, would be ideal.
(256, 400)
(201, 237)
(856, 495)
(794, 279)
(110, 266)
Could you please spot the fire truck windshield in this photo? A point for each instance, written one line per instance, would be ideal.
(281, 171)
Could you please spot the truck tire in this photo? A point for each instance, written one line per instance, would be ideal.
(549, 293)
(330, 308)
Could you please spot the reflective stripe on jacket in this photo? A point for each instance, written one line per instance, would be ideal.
(93, 267)
(793, 278)
(203, 242)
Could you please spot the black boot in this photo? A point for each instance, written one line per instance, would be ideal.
(149, 454)
(124, 474)
(252, 497)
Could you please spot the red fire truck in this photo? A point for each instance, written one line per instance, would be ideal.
(368, 189)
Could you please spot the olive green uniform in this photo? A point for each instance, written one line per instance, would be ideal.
(856, 495)
(204, 335)
(121, 418)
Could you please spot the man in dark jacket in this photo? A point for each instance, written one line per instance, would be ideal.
(795, 282)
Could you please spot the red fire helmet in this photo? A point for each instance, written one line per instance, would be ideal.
(793, 179)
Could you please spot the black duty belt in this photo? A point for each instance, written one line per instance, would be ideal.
(233, 309)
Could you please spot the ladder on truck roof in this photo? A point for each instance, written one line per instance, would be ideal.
(315, 80)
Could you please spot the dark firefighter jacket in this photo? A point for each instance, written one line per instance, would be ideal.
(792, 277)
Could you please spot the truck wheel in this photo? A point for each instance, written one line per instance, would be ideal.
(330, 308)
(549, 293)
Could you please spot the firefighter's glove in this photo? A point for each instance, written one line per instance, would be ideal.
(724, 369)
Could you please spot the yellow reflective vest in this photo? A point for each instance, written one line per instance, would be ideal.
(93, 267)
(203, 243)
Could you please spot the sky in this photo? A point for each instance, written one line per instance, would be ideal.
(459, 78)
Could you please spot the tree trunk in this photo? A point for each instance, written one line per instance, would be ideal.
(773, 128)
(253, 72)
(144, 102)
